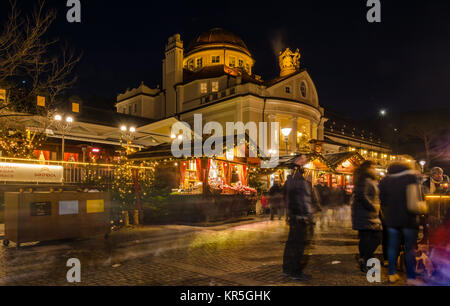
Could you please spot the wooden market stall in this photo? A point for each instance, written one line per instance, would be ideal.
(205, 189)
(335, 169)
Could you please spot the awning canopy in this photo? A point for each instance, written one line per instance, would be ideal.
(164, 150)
(342, 162)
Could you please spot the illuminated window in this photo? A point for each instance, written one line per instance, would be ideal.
(41, 101)
(199, 62)
(241, 63)
(75, 107)
(203, 88)
(190, 64)
(215, 59)
(215, 86)
(232, 61)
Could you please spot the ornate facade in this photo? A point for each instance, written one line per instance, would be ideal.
(214, 77)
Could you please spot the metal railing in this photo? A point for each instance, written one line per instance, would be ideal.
(76, 172)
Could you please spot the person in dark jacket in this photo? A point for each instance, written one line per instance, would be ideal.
(298, 198)
(323, 192)
(399, 221)
(337, 198)
(365, 212)
(276, 200)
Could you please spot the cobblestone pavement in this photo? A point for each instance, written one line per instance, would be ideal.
(245, 253)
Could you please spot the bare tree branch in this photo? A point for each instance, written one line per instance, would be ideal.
(31, 65)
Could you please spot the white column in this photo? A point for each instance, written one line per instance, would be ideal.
(320, 130)
(271, 118)
(293, 135)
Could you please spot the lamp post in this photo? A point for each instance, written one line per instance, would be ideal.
(422, 164)
(286, 132)
(128, 134)
(63, 126)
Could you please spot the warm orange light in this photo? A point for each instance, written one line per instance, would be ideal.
(437, 197)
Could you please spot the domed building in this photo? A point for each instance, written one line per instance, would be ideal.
(214, 77)
(218, 47)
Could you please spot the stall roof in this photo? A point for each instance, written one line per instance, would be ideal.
(164, 150)
(335, 159)
(331, 161)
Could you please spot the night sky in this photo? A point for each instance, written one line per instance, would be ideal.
(402, 63)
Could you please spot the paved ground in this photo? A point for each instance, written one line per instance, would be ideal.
(246, 253)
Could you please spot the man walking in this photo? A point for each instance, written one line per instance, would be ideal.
(298, 198)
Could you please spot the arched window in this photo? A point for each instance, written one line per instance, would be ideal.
(303, 89)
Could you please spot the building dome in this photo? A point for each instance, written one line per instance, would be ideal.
(215, 37)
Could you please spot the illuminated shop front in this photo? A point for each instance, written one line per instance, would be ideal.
(214, 176)
(204, 188)
(333, 169)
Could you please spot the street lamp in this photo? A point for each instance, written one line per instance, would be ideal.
(286, 132)
(422, 164)
(128, 134)
(382, 112)
(64, 126)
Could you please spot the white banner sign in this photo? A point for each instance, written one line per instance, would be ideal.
(12, 172)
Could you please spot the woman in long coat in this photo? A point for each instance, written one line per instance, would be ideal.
(366, 212)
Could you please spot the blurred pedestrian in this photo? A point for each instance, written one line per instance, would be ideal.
(337, 198)
(440, 254)
(276, 200)
(400, 222)
(264, 203)
(324, 197)
(365, 212)
(437, 182)
(298, 195)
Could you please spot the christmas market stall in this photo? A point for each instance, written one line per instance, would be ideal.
(204, 189)
(343, 165)
(334, 169)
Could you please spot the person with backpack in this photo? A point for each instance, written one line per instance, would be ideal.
(400, 217)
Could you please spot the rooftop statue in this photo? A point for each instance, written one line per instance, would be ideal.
(289, 61)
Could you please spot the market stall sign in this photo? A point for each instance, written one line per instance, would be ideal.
(40, 209)
(95, 206)
(68, 207)
(12, 172)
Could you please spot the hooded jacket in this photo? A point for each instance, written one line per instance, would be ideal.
(366, 205)
(393, 198)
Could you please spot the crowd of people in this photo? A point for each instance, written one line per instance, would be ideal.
(388, 212)
(391, 213)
